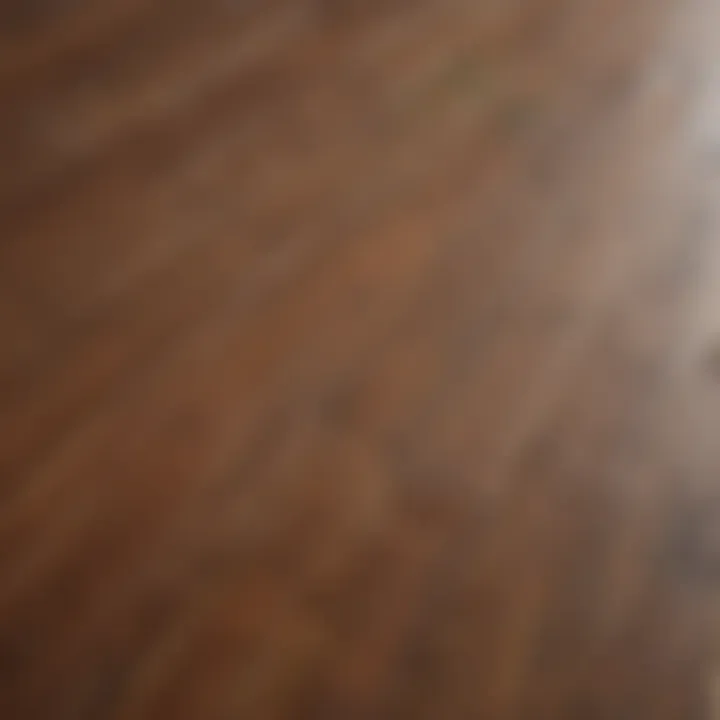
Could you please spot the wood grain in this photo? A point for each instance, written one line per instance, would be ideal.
(359, 360)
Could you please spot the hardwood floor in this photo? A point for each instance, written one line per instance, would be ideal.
(359, 359)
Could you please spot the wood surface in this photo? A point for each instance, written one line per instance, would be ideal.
(359, 360)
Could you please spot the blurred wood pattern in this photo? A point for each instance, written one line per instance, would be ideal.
(359, 359)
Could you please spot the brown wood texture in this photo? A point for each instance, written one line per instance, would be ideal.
(359, 360)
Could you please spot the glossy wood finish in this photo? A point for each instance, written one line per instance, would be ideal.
(359, 359)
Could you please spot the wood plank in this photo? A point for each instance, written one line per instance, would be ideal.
(359, 359)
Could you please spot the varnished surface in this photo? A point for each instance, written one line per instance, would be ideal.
(359, 359)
